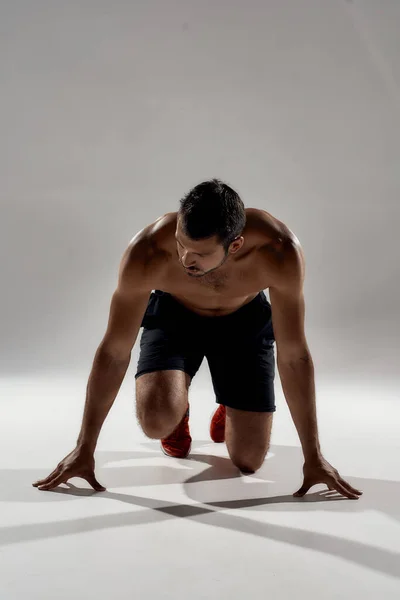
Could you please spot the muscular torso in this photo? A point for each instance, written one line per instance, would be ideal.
(253, 268)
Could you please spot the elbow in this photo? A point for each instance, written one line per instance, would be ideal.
(294, 359)
(111, 356)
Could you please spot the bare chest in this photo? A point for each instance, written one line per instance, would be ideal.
(216, 294)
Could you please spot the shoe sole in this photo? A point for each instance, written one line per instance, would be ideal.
(209, 427)
(172, 456)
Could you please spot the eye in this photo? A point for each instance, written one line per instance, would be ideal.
(202, 255)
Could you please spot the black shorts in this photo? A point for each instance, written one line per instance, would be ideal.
(239, 348)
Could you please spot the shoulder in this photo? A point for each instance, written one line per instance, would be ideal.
(281, 249)
(147, 252)
(269, 229)
(290, 272)
(151, 241)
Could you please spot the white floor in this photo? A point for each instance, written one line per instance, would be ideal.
(196, 528)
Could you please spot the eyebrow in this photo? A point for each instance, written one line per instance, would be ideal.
(198, 253)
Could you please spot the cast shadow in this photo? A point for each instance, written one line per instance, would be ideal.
(277, 474)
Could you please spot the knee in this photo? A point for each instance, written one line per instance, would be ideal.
(157, 426)
(247, 466)
(157, 422)
(248, 463)
(154, 430)
(246, 470)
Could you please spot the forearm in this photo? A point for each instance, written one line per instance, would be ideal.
(103, 385)
(298, 385)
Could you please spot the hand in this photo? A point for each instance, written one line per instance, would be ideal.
(79, 463)
(320, 471)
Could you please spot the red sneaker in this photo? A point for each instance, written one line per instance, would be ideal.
(179, 442)
(217, 425)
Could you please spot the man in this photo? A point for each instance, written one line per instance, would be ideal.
(207, 264)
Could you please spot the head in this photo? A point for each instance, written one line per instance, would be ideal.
(211, 219)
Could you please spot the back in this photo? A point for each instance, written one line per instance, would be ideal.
(140, 267)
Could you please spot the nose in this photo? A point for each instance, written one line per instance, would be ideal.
(187, 262)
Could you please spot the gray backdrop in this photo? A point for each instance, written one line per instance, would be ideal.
(111, 111)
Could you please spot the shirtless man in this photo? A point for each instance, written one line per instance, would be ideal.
(207, 264)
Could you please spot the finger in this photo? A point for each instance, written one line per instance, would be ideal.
(47, 479)
(62, 478)
(350, 487)
(90, 478)
(340, 488)
(303, 490)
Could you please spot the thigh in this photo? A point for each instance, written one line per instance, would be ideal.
(167, 363)
(170, 339)
(164, 350)
(161, 400)
(243, 374)
(247, 436)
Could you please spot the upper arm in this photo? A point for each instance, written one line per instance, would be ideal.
(288, 306)
(128, 303)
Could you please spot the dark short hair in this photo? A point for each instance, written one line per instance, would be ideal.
(212, 208)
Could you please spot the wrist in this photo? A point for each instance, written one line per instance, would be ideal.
(85, 446)
(314, 455)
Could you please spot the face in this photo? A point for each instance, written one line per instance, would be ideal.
(201, 257)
